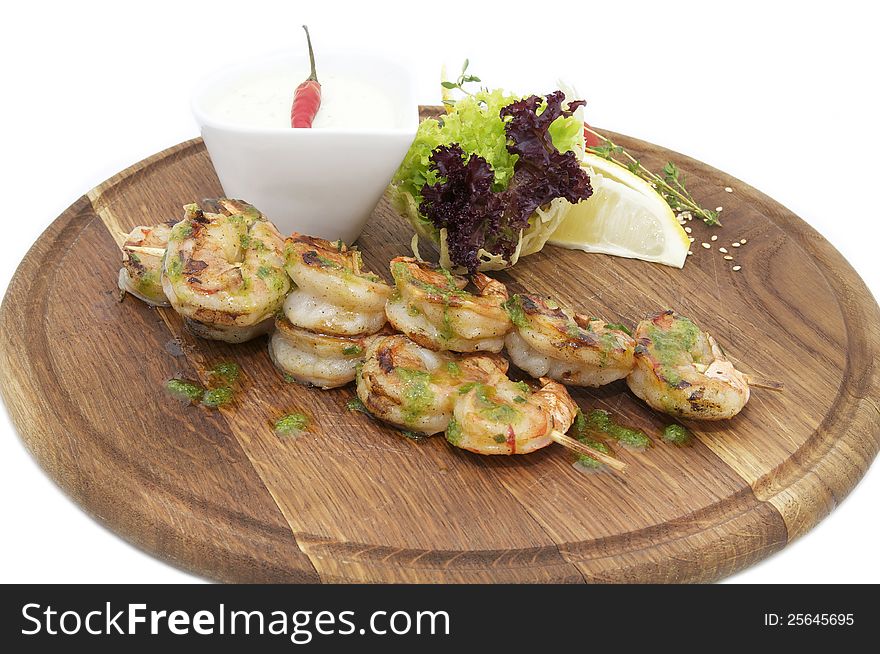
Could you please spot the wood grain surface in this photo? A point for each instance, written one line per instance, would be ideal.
(219, 494)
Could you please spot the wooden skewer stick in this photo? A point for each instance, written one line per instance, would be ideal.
(765, 383)
(751, 380)
(119, 236)
(140, 249)
(581, 448)
(756, 381)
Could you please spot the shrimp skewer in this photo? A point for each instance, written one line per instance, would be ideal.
(320, 339)
(576, 350)
(432, 308)
(469, 396)
(682, 371)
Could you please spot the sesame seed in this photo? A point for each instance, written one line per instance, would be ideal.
(690, 253)
(736, 268)
(728, 258)
(688, 230)
(719, 209)
(706, 245)
(722, 250)
(691, 239)
(728, 189)
(714, 237)
(736, 245)
(743, 241)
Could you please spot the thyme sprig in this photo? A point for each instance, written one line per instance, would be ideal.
(463, 78)
(671, 185)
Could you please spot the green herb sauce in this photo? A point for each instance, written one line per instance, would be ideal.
(676, 434)
(417, 393)
(217, 397)
(618, 327)
(588, 463)
(581, 428)
(291, 425)
(400, 272)
(515, 312)
(672, 346)
(149, 284)
(502, 413)
(401, 275)
(492, 409)
(453, 432)
(181, 231)
(226, 372)
(184, 391)
(329, 263)
(446, 331)
(608, 341)
(466, 388)
(355, 404)
(600, 420)
(174, 268)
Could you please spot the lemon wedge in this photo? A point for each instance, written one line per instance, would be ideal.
(625, 217)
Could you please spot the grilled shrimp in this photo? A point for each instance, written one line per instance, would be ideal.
(413, 387)
(333, 294)
(313, 358)
(547, 341)
(431, 306)
(142, 253)
(507, 417)
(224, 272)
(682, 371)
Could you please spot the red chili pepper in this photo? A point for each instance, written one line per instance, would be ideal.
(307, 97)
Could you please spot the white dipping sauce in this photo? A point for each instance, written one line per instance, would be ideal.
(264, 100)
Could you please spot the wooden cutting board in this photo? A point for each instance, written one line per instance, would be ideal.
(219, 494)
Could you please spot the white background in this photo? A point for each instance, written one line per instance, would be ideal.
(782, 95)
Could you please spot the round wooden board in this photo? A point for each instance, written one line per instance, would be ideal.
(217, 493)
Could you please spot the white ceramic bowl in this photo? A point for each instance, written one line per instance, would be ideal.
(321, 181)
